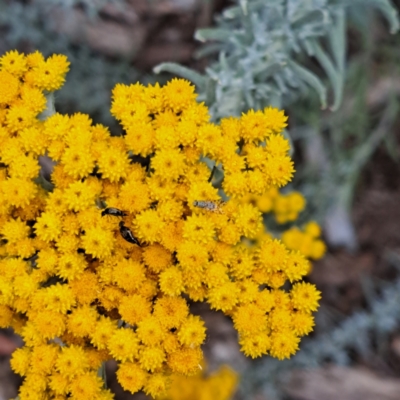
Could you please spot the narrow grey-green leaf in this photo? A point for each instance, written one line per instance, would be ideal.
(311, 79)
(386, 7)
(334, 75)
(313, 17)
(237, 11)
(265, 70)
(208, 50)
(337, 43)
(210, 91)
(337, 39)
(187, 73)
(50, 108)
(205, 34)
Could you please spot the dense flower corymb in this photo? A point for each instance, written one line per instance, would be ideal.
(101, 264)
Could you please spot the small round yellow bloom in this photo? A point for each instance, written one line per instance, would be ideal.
(178, 94)
(255, 345)
(150, 331)
(192, 332)
(20, 360)
(48, 226)
(171, 281)
(9, 86)
(305, 297)
(79, 196)
(171, 311)
(86, 386)
(134, 308)
(123, 345)
(224, 297)
(131, 376)
(198, 229)
(185, 361)
(72, 361)
(151, 358)
(149, 225)
(284, 344)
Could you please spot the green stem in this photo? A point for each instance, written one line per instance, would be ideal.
(101, 372)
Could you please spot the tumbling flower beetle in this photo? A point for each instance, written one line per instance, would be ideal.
(113, 211)
(127, 234)
(213, 206)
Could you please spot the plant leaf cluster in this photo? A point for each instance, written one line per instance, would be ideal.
(264, 49)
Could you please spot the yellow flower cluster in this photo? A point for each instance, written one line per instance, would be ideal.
(219, 385)
(82, 283)
(285, 207)
(307, 240)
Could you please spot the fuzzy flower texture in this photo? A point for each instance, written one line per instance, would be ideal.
(79, 293)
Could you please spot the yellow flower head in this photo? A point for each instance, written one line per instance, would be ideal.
(185, 361)
(254, 126)
(150, 331)
(178, 94)
(192, 332)
(151, 358)
(305, 297)
(224, 297)
(168, 164)
(171, 311)
(72, 361)
(9, 87)
(14, 63)
(255, 345)
(131, 376)
(198, 229)
(149, 225)
(113, 164)
(140, 138)
(134, 308)
(284, 344)
(79, 196)
(20, 360)
(50, 74)
(276, 119)
(171, 281)
(123, 345)
(48, 226)
(86, 386)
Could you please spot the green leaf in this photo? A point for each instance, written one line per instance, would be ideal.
(337, 43)
(237, 11)
(187, 73)
(265, 70)
(385, 6)
(311, 79)
(334, 75)
(205, 34)
(207, 50)
(45, 184)
(337, 39)
(210, 91)
(101, 372)
(50, 108)
(314, 17)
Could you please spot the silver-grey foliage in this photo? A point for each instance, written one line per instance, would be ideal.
(264, 47)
